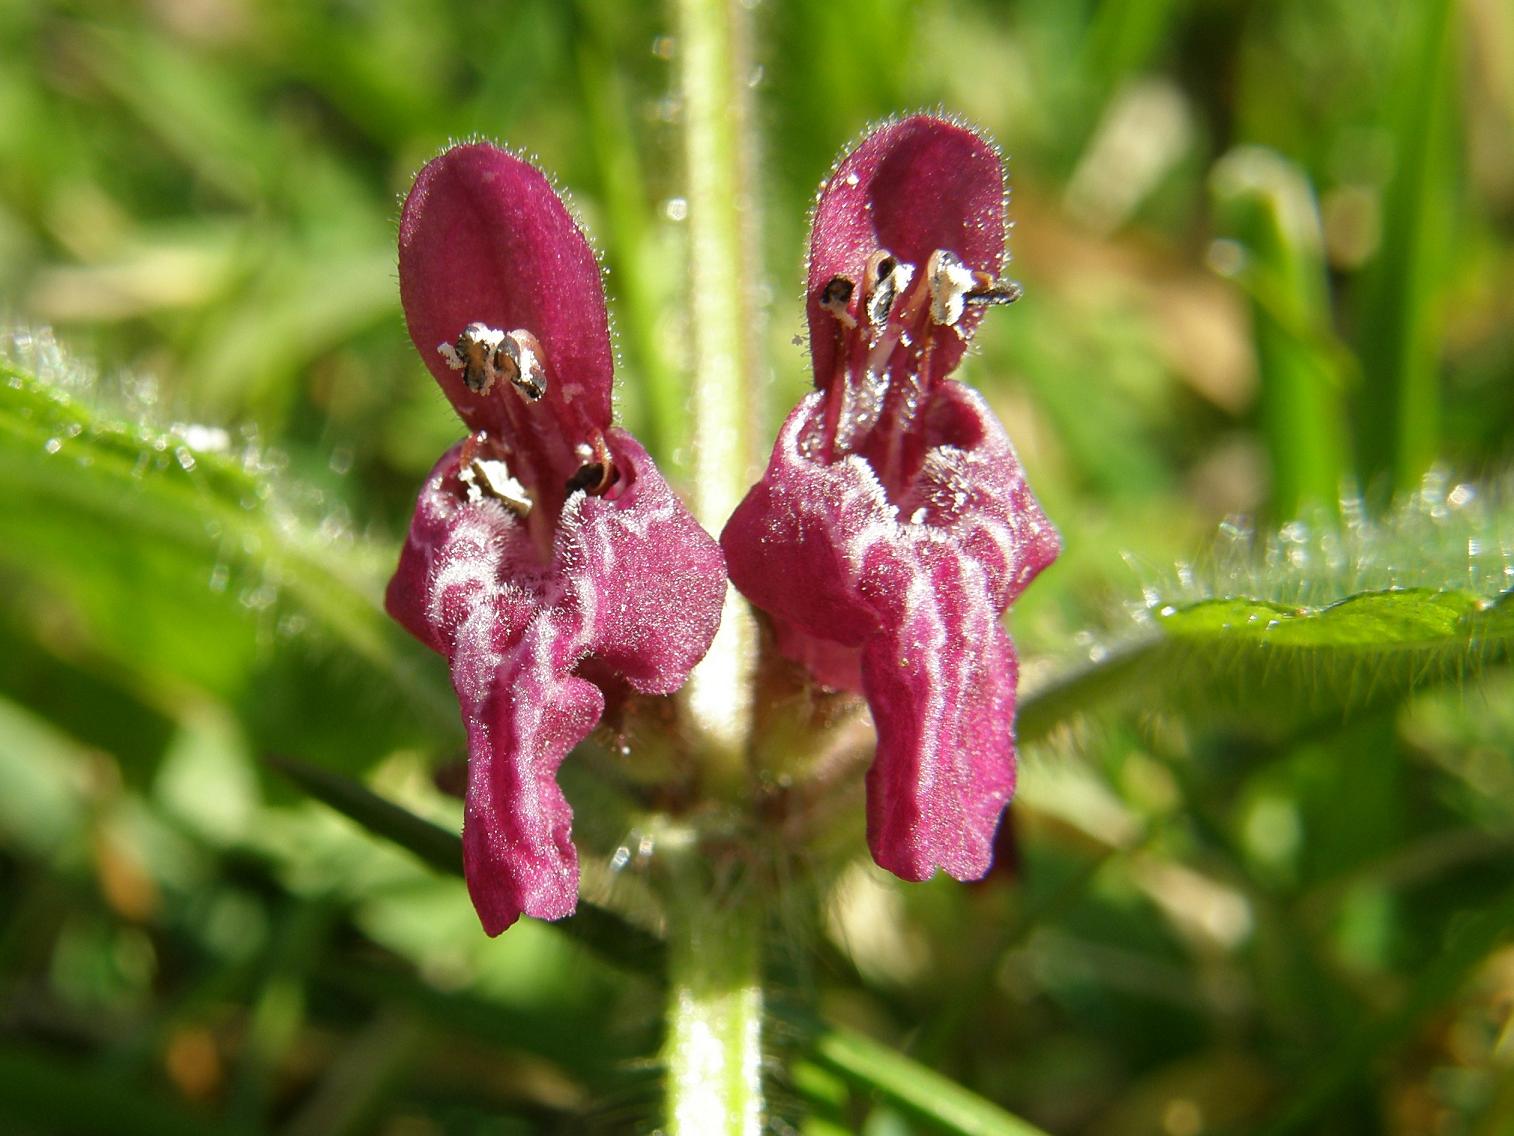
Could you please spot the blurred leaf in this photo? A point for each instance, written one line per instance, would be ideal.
(597, 928)
(1467, 943)
(1265, 661)
(1122, 37)
(200, 110)
(42, 1093)
(173, 558)
(38, 768)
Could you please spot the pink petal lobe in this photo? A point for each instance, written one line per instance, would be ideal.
(649, 581)
(455, 556)
(790, 544)
(524, 712)
(972, 487)
(484, 237)
(940, 680)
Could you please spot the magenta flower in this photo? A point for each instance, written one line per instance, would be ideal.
(893, 526)
(547, 560)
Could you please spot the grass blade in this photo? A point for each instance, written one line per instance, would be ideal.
(1399, 325)
(922, 1092)
(1269, 208)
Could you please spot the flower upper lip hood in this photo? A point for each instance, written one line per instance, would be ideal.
(484, 239)
(548, 560)
(893, 525)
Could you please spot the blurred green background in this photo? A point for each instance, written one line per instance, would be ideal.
(1268, 251)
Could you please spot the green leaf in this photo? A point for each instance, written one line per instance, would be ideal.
(167, 558)
(1266, 662)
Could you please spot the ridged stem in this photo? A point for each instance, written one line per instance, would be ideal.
(722, 317)
(714, 1013)
(713, 1051)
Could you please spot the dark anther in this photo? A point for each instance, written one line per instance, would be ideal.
(838, 293)
(519, 358)
(1001, 292)
(590, 477)
(881, 283)
(834, 298)
(474, 354)
(880, 302)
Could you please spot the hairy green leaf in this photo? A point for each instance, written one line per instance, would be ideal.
(1266, 662)
(170, 559)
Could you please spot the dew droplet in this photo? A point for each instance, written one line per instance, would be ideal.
(207, 439)
(261, 598)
